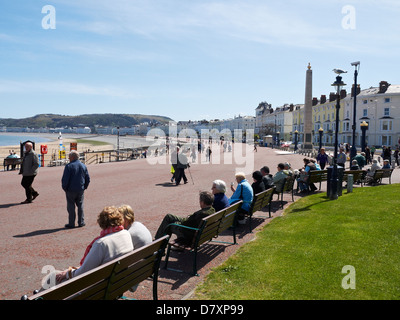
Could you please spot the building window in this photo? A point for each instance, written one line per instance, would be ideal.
(386, 125)
(386, 112)
(387, 100)
(365, 112)
(365, 101)
(386, 140)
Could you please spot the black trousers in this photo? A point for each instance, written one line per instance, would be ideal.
(27, 182)
(179, 175)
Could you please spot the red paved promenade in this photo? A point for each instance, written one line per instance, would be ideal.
(33, 236)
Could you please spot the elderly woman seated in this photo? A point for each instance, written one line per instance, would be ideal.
(221, 201)
(113, 242)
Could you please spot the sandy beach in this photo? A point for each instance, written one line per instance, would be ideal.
(53, 146)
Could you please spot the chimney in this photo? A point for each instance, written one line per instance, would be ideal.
(343, 93)
(332, 96)
(314, 102)
(383, 86)
(323, 99)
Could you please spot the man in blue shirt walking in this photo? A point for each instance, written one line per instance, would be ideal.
(75, 181)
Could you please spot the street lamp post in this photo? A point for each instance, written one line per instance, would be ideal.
(334, 181)
(277, 138)
(353, 150)
(296, 136)
(118, 143)
(321, 132)
(364, 128)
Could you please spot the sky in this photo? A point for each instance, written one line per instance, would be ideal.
(187, 59)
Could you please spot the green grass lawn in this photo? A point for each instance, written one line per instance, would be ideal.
(301, 254)
(93, 142)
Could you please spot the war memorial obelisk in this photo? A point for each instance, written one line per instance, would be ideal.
(307, 120)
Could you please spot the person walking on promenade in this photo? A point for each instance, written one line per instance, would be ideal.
(368, 155)
(208, 154)
(29, 170)
(341, 158)
(322, 158)
(396, 156)
(74, 182)
(179, 162)
(372, 152)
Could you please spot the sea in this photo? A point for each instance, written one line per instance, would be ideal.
(15, 140)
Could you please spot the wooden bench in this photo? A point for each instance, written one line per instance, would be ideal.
(209, 228)
(11, 162)
(260, 201)
(317, 176)
(288, 186)
(358, 175)
(379, 174)
(110, 280)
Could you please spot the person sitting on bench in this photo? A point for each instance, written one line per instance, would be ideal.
(186, 235)
(113, 242)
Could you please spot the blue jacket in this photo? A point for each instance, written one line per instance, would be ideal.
(221, 201)
(76, 177)
(244, 192)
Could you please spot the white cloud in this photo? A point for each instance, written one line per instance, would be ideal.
(29, 87)
(292, 24)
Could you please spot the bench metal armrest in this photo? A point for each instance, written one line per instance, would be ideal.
(183, 226)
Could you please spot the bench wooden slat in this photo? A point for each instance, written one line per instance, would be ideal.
(379, 174)
(358, 175)
(126, 279)
(11, 162)
(316, 176)
(260, 201)
(118, 275)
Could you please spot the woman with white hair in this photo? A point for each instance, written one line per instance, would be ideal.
(221, 201)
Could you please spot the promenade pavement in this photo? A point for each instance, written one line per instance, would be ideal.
(33, 236)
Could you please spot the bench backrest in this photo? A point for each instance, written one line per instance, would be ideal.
(258, 201)
(289, 183)
(357, 174)
(378, 174)
(268, 196)
(9, 161)
(112, 279)
(386, 173)
(318, 176)
(216, 223)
